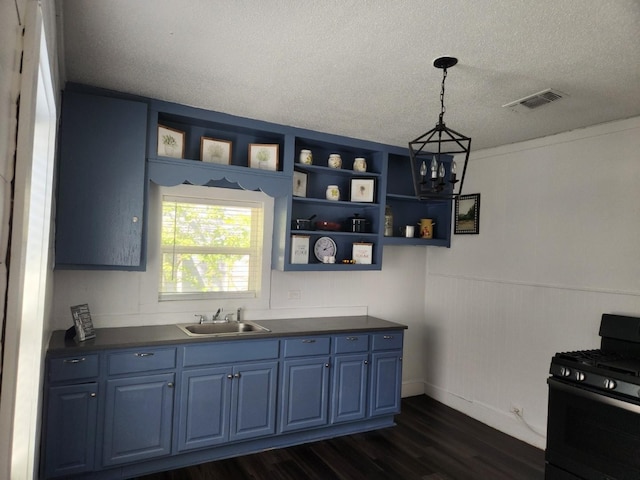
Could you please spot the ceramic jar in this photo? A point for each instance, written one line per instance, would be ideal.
(306, 157)
(335, 161)
(359, 165)
(333, 192)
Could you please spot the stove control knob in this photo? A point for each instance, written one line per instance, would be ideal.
(580, 376)
(565, 371)
(609, 384)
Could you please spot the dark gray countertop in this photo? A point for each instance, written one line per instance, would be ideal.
(125, 337)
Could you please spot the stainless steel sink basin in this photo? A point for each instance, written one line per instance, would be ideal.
(218, 329)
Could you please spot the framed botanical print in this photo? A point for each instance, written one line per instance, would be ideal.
(299, 184)
(263, 156)
(217, 151)
(170, 142)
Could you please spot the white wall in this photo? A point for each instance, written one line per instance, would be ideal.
(558, 246)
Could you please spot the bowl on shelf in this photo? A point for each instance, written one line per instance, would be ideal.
(326, 225)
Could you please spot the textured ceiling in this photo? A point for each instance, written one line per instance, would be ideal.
(364, 68)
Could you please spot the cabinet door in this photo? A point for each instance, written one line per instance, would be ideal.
(305, 393)
(138, 415)
(70, 437)
(253, 401)
(205, 405)
(386, 383)
(101, 182)
(349, 400)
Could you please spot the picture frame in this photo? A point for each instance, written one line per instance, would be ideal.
(467, 214)
(213, 150)
(362, 253)
(170, 142)
(300, 249)
(82, 322)
(263, 156)
(299, 184)
(363, 190)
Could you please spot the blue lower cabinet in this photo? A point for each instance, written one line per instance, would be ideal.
(349, 399)
(205, 400)
(71, 429)
(138, 418)
(386, 383)
(305, 393)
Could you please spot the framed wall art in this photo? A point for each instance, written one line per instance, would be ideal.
(170, 142)
(362, 190)
(263, 156)
(467, 214)
(213, 150)
(299, 184)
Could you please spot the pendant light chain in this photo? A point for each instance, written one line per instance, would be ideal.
(442, 108)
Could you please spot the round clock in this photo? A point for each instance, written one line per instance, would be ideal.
(324, 247)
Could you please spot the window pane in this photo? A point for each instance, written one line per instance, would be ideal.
(192, 273)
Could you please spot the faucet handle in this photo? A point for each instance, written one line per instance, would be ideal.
(228, 317)
(201, 318)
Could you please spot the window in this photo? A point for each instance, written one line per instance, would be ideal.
(211, 247)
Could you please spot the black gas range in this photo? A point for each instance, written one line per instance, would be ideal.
(593, 428)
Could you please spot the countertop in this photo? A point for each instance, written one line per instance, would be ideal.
(130, 337)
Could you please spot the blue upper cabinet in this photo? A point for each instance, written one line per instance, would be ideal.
(101, 183)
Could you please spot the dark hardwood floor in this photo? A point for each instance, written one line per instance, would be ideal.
(430, 442)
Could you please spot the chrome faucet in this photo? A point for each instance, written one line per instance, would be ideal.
(216, 317)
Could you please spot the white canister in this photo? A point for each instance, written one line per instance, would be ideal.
(359, 165)
(335, 161)
(306, 157)
(333, 192)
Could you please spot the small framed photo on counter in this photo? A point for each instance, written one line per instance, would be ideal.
(362, 253)
(82, 322)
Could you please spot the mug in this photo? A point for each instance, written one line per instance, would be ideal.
(426, 228)
(407, 231)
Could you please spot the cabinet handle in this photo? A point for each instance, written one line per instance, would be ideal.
(366, 362)
(388, 337)
(352, 339)
(74, 360)
(230, 377)
(134, 219)
(237, 375)
(400, 359)
(308, 340)
(92, 394)
(144, 354)
(326, 365)
(170, 384)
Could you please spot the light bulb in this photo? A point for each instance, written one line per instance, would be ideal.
(434, 168)
(454, 171)
(441, 171)
(423, 169)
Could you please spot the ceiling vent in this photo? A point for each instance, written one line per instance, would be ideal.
(536, 100)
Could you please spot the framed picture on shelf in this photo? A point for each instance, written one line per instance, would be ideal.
(170, 142)
(362, 253)
(82, 322)
(362, 190)
(299, 184)
(263, 156)
(213, 150)
(467, 214)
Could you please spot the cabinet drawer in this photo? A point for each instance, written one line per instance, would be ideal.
(230, 352)
(73, 368)
(141, 360)
(298, 347)
(387, 341)
(351, 343)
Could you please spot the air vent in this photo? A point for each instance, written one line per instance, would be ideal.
(536, 100)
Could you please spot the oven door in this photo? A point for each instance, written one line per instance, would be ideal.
(591, 435)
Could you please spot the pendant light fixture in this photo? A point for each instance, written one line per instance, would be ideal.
(434, 169)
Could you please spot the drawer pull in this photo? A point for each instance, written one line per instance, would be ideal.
(170, 384)
(144, 354)
(237, 375)
(92, 394)
(230, 377)
(326, 365)
(308, 340)
(352, 339)
(366, 362)
(388, 337)
(75, 360)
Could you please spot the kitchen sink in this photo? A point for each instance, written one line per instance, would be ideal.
(217, 329)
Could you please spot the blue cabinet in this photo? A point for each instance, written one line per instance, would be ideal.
(70, 429)
(138, 418)
(101, 183)
(350, 380)
(386, 373)
(222, 404)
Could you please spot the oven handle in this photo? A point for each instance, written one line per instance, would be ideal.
(593, 395)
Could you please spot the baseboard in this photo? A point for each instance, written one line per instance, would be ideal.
(412, 388)
(505, 422)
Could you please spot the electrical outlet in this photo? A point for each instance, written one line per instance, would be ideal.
(516, 409)
(295, 294)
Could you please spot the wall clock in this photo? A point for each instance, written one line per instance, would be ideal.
(324, 247)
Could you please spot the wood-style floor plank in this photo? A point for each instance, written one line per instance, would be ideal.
(430, 442)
